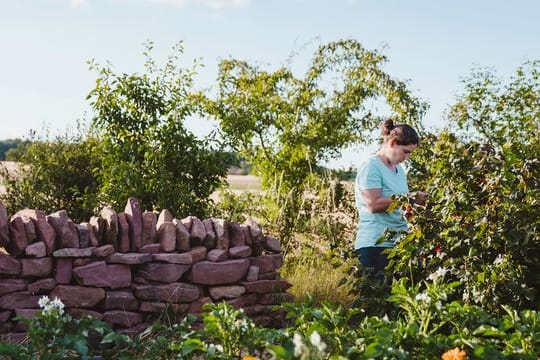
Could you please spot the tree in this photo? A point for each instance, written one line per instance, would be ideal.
(148, 152)
(286, 126)
(55, 173)
(7, 145)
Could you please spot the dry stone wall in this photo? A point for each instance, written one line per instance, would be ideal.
(127, 268)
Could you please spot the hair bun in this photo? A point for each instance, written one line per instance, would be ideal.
(387, 126)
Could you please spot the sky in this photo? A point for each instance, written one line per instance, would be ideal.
(45, 46)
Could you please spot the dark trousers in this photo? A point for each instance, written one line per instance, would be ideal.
(374, 262)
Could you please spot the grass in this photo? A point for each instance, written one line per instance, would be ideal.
(315, 275)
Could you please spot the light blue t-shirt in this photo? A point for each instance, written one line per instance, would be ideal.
(374, 174)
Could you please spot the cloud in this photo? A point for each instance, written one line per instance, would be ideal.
(78, 3)
(214, 4)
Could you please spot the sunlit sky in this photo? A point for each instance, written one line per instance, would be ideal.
(45, 45)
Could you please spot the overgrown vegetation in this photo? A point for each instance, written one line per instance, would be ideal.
(465, 278)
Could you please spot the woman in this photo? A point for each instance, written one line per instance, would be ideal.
(379, 177)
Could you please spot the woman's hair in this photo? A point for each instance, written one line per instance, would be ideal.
(403, 133)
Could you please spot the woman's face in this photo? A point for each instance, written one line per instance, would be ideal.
(400, 153)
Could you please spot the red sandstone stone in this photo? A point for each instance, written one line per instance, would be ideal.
(164, 216)
(121, 318)
(196, 307)
(271, 244)
(82, 261)
(29, 227)
(253, 273)
(162, 272)
(84, 235)
(182, 236)
(91, 232)
(121, 300)
(17, 234)
(98, 227)
(266, 286)
(150, 248)
(247, 234)
(36, 249)
(9, 265)
(209, 240)
(174, 292)
(134, 218)
(197, 231)
(103, 251)
(149, 231)
(226, 272)
(239, 252)
(41, 286)
(12, 285)
(110, 219)
(277, 259)
(73, 252)
(79, 313)
(167, 236)
(184, 258)
(273, 275)
(244, 300)
(236, 235)
(100, 274)
(198, 253)
(217, 255)
(78, 296)
(26, 314)
(123, 233)
(129, 258)
(221, 227)
(264, 262)
(41, 267)
(74, 233)
(64, 236)
(227, 292)
(159, 307)
(63, 270)
(18, 300)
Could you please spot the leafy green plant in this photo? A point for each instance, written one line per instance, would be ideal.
(55, 173)
(148, 152)
(287, 126)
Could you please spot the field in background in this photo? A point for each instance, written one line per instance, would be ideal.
(237, 183)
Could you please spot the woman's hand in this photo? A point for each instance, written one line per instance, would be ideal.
(421, 198)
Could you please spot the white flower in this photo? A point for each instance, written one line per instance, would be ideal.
(298, 344)
(43, 301)
(499, 260)
(439, 273)
(441, 254)
(49, 307)
(423, 297)
(315, 340)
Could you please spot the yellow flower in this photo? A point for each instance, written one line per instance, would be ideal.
(455, 354)
(250, 357)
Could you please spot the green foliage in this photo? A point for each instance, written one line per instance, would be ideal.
(55, 335)
(8, 145)
(482, 220)
(54, 174)
(148, 152)
(286, 126)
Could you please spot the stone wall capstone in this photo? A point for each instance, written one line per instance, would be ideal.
(126, 268)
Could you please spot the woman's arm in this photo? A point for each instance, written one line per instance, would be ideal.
(374, 201)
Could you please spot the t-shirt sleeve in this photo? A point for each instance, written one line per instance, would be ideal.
(368, 177)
